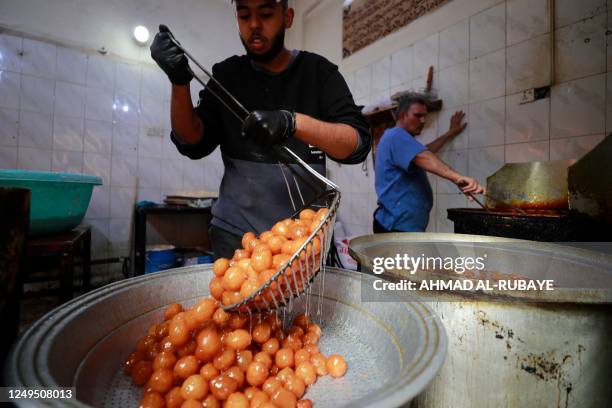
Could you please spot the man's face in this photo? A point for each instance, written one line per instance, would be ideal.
(262, 25)
(413, 120)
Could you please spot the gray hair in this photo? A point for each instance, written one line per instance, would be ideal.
(407, 101)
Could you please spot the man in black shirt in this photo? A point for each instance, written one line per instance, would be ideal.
(296, 98)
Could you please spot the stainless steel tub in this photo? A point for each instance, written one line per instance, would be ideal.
(392, 350)
(516, 349)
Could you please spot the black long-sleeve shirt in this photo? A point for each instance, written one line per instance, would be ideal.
(253, 194)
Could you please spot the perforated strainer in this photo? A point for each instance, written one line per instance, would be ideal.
(294, 277)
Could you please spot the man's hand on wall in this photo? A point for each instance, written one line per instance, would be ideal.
(456, 125)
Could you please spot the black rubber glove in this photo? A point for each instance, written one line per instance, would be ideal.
(269, 128)
(170, 58)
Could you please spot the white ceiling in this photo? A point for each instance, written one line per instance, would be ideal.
(206, 27)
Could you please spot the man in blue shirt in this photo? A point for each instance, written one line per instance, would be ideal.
(404, 195)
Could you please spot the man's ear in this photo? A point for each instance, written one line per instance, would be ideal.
(289, 15)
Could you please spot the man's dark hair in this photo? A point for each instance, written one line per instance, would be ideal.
(407, 101)
(284, 3)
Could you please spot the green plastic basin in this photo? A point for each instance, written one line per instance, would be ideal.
(58, 200)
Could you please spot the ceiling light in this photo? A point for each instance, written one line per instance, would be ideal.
(141, 34)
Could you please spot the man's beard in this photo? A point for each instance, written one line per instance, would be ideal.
(278, 43)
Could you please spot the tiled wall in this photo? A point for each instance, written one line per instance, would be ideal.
(66, 110)
(482, 64)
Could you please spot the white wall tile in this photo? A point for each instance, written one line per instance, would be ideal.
(488, 76)
(487, 122)
(172, 173)
(454, 44)
(68, 133)
(425, 55)
(349, 78)
(67, 162)
(401, 66)
(127, 78)
(99, 206)
(99, 236)
(121, 202)
(580, 49)
(527, 152)
(169, 150)
(443, 203)
(150, 194)
(126, 108)
(35, 130)
(195, 88)
(526, 19)
(460, 141)
(119, 232)
(149, 146)
(454, 86)
(155, 85)
(528, 64)
(98, 136)
(10, 48)
(36, 94)
(99, 104)
(420, 84)
(9, 127)
(154, 113)
(70, 99)
(31, 158)
(71, 65)
(458, 160)
(578, 107)
(123, 170)
(381, 75)
(485, 161)
(125, 139)
(570, 11)
(488, 31)
(100, 72)
(149, 173)
(38, 59)
(10, 84)
(193, 175)
(528, 122)
(573, 147)
(98, 165)
(363, 82)
(8, 157)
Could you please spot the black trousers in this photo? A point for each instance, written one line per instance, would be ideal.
(379, 229)
(223, 242)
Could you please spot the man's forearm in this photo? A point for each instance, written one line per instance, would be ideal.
(431, 163)
(186, 125)
(437, 144)
(338, 140)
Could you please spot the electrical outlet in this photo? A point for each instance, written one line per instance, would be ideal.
(527, 96)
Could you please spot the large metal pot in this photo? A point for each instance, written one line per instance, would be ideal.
(393, 350)
(517, 349)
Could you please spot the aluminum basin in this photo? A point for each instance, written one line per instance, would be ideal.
(517, 349)
(393, 350)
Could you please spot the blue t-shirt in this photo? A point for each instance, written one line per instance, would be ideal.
(404, 193)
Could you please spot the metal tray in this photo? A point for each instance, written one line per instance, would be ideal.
(393, 350)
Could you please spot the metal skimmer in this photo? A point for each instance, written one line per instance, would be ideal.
(294, 278)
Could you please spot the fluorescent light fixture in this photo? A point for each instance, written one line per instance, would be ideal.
(141, 34)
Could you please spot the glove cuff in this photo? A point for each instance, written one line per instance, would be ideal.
(291, 124)
(182, 77)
